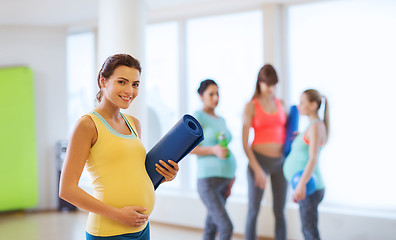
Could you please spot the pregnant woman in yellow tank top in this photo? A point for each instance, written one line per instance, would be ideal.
(108, 143)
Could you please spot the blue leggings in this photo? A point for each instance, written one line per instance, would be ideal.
(274, 168)
(213, 194)
(142, 235)
(309, 215)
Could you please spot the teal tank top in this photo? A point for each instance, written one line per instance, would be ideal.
(211, 165)
(298, 159)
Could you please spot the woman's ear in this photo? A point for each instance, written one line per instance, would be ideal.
(314, 106)
(102, 82)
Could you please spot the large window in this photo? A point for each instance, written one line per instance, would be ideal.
(80, 83)
(162, 78)
(227, 48)
(80, 75)
(346, 49)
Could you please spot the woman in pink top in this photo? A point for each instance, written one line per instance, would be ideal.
(265, 114)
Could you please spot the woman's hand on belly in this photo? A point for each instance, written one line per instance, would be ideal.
(132, 216)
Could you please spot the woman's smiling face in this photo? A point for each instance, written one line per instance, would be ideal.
(122, 87)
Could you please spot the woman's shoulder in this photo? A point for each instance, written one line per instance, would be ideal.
(199, 114)
(135, 121)
(85, 125)
(281, 101)
(283, 107)
(317, 128)
(250, 106)
(321, 126)
(86, 121)
(318, 124)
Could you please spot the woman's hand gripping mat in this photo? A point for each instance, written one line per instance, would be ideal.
(185, 135)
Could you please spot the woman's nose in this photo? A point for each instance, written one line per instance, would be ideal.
(128, 89)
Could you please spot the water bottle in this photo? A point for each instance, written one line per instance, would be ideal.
(223, 142)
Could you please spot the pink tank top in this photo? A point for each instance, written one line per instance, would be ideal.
(269, 127)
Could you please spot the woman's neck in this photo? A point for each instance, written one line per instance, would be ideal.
(107, 111)
(209, 111)
(313, 116)
(266, 96)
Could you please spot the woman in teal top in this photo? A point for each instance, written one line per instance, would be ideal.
(216, 164)
(304, 156)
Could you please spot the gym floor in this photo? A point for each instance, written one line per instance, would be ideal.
(53, 225)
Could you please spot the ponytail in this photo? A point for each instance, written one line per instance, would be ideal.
(100, 92)
(326, 117)
(315, 96)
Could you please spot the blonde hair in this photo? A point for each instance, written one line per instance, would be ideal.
(315, 96)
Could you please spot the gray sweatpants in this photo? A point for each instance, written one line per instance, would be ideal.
(309, 215)
(213, 194)
(274, 168)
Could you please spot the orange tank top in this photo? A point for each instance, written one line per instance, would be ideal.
(269, 127)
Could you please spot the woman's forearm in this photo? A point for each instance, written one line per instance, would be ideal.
(308, 170)
(83, 200)
(248, 150)
(252, 159)
(203, 151)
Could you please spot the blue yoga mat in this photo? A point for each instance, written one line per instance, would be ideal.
(291, 128)
(175, 145)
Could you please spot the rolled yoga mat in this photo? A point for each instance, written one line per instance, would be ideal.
(291, 129)
(175, 145)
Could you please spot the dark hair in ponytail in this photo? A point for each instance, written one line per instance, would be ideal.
(315, 96)
(204, 85)
(111, 64)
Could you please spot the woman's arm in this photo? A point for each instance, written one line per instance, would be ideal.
(314, 136)
(219, 151)
(259, 175)
(83, 137)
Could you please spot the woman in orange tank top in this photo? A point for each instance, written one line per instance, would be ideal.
(265, 114)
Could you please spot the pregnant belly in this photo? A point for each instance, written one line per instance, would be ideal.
(129, 193)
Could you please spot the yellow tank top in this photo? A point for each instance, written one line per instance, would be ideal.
(119, 177)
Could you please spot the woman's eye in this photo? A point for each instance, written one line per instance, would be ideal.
(135, 84)
(121, 82)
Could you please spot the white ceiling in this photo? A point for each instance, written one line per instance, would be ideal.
(46, 12)
(66, 12)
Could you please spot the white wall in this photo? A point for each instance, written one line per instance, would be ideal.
(43, 49)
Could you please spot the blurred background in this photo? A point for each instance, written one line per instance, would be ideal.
(344, 48)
